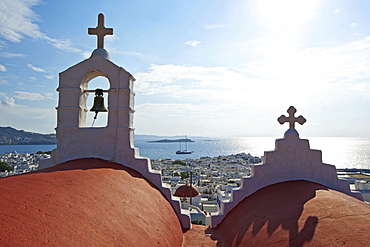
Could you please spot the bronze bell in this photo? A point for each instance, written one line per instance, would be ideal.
(98, 102)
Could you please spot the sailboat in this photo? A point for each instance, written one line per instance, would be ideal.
(186, 148)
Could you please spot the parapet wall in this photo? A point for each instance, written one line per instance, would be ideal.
(292, 160)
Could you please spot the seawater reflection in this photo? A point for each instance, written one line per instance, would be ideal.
(339, 151)
(343, 152)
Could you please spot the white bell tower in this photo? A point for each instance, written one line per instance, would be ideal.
(74, 139)
(115, 142)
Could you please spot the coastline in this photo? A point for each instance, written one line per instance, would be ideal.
(340, 152)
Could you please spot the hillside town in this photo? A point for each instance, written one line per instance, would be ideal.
(21, 162)
(214, 178)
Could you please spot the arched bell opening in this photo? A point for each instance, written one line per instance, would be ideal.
(94, 101)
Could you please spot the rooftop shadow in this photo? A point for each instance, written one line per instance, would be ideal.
(255, 221)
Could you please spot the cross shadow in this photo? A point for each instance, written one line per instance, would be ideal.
(270, 215)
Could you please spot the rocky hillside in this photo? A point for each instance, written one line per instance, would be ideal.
(11, 136)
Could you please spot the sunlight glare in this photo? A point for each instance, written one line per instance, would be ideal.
(286, 13)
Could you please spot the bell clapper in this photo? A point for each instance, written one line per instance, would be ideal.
(95, 117)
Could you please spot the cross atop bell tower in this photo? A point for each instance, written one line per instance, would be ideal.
(113, 142)
(100, 31)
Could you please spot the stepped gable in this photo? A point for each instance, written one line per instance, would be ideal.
(295, 213)
(86, 202)
(292, 160)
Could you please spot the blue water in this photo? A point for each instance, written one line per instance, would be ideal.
(338, 151)
(205, 147)
(341, 152)
(31, 149)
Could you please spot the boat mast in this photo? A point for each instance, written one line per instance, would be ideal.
(186, 143)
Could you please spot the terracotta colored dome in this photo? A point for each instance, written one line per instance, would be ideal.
(86, 202)
(296, 213)
(186, 191)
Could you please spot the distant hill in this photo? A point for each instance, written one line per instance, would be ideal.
(176, 140)
(11, 136)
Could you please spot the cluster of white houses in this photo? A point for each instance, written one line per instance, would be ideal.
(212, 179)
(215, 179)
(21, 163)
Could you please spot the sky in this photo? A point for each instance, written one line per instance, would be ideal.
(213, 68)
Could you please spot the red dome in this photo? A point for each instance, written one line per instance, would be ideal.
(186, 191)
(296, 213)
(87, 202)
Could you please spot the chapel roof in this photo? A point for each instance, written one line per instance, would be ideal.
(86, 202)
(88, 199)
(295, 213)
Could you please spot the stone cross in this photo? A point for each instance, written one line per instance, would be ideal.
(291, 119)
(100, 31)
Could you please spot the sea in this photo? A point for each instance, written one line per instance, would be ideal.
(343, 152)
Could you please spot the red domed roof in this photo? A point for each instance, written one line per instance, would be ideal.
(296, 213)
(186, 191)
(86, 202)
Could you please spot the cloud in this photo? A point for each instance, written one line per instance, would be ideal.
(36, 119)
(141, 56)
(195, 84)
(193, 43)
(40, 120)
(2, 68)
(2, 44)
(8, 101)
(128, 53)
(64, 45)
(10, 55)
(30, 96)
(311, 78)
(86, 54)
(347, 61)
(174, 117)
(35, 68)
(214, 26)
(17, 20)
(315, 80)
(50, 77)
(353, 24)
(202, 119)
(336, 11)
(188, 77)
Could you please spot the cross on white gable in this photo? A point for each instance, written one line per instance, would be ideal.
(100, 31)
(291, 119)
